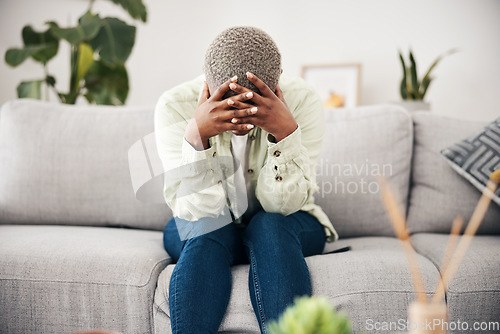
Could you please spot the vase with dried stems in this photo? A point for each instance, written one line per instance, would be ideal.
(434, 311)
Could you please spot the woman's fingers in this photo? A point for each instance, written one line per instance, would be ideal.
(245, 96)
(205, 93)
(239, 119)
(229, 115)
(238, 89)
(243, 90)
(239, 127)
(223, 89)
(240, 114)
(234, 103)
(261, 86)
(279, 93)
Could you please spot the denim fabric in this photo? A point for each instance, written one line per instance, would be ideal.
(274, 245)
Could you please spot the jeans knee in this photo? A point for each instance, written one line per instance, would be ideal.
(223, 241)
(267, 222)
(267, 227)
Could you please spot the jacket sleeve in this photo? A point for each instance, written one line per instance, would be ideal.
(191, 180)
(288, 178)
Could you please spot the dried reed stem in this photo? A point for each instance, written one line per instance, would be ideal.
(450, 247)
(466, 239)
(399, 225)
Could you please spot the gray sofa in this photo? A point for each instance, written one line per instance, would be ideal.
(79, 251)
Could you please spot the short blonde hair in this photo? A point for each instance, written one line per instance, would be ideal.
(238, 50)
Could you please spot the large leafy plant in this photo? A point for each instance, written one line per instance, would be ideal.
(412, 88)
(99, 48)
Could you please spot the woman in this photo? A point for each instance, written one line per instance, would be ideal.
(240, 151)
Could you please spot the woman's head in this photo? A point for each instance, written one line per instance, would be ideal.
(238, 50)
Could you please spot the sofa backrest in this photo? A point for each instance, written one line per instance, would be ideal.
(439, 193)
(63, 164)
(360, 145)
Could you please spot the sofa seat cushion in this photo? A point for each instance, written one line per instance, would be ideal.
(62, 279)
(438, 193)
(474, 293)
(371, 281)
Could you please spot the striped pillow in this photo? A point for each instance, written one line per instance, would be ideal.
(476, 157)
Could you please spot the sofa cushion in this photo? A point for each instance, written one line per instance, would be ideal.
(474, 292)
(477, 157)
(438, 193)
(361, 144)
(372, 281)
(69, 165)
(62, 279)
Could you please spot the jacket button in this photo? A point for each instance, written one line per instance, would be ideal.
(250, 171)
(279, 178)
(219, 182)
(215, 153)
(277, 153)
(252, 137)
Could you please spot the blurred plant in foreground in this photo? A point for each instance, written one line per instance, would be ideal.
(311, 315)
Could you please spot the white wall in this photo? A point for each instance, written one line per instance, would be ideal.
(171, 45)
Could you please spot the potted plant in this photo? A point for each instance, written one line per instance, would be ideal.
(311, 315)
(412, 89)
(99, 48)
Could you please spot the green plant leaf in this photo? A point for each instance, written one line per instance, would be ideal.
(50, 80)
(426, 81)
(115, 41)
(87, 29)
(15, 56)
(427, 75)
(409, 90)
(414, 78)
(69, 98)
(106, 84)
(40, 46)
(402, 89)
(135, 8)
(85, 59)
(47, 44)
(30, 89)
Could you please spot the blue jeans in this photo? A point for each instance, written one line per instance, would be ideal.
(274, 245)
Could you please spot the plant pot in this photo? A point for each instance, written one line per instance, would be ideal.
(414, 105)
(427, 318)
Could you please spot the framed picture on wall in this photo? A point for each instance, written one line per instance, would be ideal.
(337, 85)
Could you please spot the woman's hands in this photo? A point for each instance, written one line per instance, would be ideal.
(213, 115)
(240, 113)
(272, 115)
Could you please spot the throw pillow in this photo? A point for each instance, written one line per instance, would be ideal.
(476, 157)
